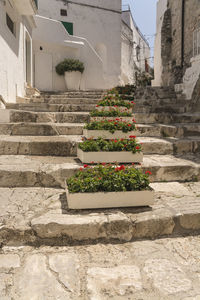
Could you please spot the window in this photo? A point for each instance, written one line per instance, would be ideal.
(10, 24)
(63, 12)
(196, 42)
(69, 27)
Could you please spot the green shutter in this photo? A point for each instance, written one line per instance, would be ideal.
(68, 26)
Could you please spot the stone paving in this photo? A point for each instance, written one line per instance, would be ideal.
(164, 269)
(40, 216)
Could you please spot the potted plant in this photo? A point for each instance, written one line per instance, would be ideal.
(109, 151)
(72, 70)
(109, 129)
(105, 186)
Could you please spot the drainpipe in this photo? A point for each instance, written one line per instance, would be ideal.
(182, 32)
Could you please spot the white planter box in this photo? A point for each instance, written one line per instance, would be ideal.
(120, 108)
(109, 157)
(105, 134)
(109, 199)
(128, 119)
(73, 80)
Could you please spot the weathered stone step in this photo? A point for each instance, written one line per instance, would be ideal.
(76, 101)
(48, 171)
(40, 145)
(160, 109)
(167, 118)
(43, 217)
(67, 145)
(75, 117)
(51, 129)
(48, 117)
(44, 107)
(41, 129)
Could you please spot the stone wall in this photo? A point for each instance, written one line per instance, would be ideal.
(172, 65)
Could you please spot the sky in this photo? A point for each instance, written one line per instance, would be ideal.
(144, 13)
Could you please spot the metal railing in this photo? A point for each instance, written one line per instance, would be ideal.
(196, 42)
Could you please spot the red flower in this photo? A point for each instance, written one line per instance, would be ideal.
(148, 172)
(133, 164)
(85, 166)
(115, 141)
(117, 119)
(115, 105)
(97, 105)
(81, 169)
(122, 167)
(137, 147)
(132, 136)
(103, 164)
(129, 125)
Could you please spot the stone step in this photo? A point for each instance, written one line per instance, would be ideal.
(43, 218)
(49, 171)
(162, 109)
(41, 129)
(75, 117)
(67, 145)
(39, 145)
(48, 117)
(52, 129)
(167, 118)
(45, 107)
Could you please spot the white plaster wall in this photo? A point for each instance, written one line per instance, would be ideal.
(98, 27)
(52, 44)
(130, 63)
(127, 59)
(161, 8)
(190, 78)
(12, 49)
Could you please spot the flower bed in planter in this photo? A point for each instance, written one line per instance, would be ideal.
(109, 129)
(127, 119)
(108, 186)
(111, 113)
(107, 135)
(100, 150)
(119, 108)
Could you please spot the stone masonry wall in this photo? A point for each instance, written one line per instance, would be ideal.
(173, 70)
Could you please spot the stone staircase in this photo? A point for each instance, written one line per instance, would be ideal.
(38, 147)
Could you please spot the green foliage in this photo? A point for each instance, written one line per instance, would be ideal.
(110, 113)
(107, 178)
(110, 101)
(100, 144)
(128, 89)
(111, 125)
(69, 65)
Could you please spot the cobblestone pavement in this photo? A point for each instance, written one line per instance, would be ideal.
(161, 269)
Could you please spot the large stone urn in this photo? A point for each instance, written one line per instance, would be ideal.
(73, 80)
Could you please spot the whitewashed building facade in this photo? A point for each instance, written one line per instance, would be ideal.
(16, 63)
(96, 32)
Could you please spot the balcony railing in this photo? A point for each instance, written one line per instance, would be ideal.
(196, 42)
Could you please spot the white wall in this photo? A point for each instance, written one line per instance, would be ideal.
(12, 49)
(52, 44)
(161, 8)
(101, 28)
(190, 78)
(131, 38)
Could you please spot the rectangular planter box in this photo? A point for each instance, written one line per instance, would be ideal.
(109, 199)
(109, 157)
(105, 134)
(120, 108)
(128, 119)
